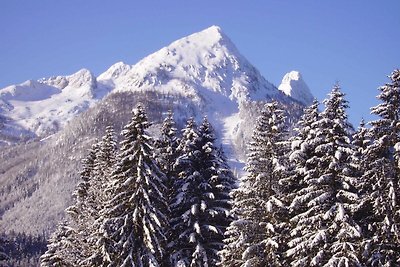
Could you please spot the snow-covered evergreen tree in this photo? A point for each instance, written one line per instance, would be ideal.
(134, 218)
(361, 140)
(201, 205)
(301, 150)
(75, 230)
(61, 250)
(256, 237)
(167, 148)
(103, 165)
(382, 176)
(179, 221)
(324, 232)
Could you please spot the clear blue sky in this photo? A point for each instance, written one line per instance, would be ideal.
(356, 43)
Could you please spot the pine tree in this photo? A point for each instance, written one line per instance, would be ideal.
(166, 155)
(301, 149)
(324, 232)
(61, 248)
(200, 208)
(383, 246)
(134, 218)
(361, 140)
(178, 239)
(222, 181)
(74, 232)
(255, 237)
(103, 166)
(167, 149)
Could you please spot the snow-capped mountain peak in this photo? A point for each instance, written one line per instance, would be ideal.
(115, 71)
(204, 67)
(294, 86)
(197, 65)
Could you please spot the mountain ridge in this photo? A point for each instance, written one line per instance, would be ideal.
(203, 64)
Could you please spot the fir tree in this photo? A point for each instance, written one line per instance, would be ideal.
(359, 163)
(134, 218)
(74, 247)
(179, 241)
(324, 232)
(167, 149)
(200, 208)
(103, 166)
(302, 146)
(61, 248)
(255, 237)
(166, 155)
(383, 246)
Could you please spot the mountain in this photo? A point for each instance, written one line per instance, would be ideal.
(39, 108)
(294, 86)
(60, 117)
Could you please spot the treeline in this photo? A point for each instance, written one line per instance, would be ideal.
(18, 249)
(326, 195)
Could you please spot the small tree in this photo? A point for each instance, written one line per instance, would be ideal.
(61, 248)
(103, 166)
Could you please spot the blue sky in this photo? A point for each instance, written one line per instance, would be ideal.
(355, 43)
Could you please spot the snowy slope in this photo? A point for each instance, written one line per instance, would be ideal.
(294, 86)
(204, 61)
(43, 107)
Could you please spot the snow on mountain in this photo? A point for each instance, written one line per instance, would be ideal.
(206, 60)
(205, 67)
(43, 107)
(201, 74)
(294, 86)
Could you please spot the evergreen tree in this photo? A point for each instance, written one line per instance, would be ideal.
(200, 207)
(134, 218)
(361, 140)
(302, 146)
(383, 246)
(256, 236)
(166, 155)
(74, 232)
(103, 166)
(222, 181)
(324, 232)
(167, 149)
(61, 250)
